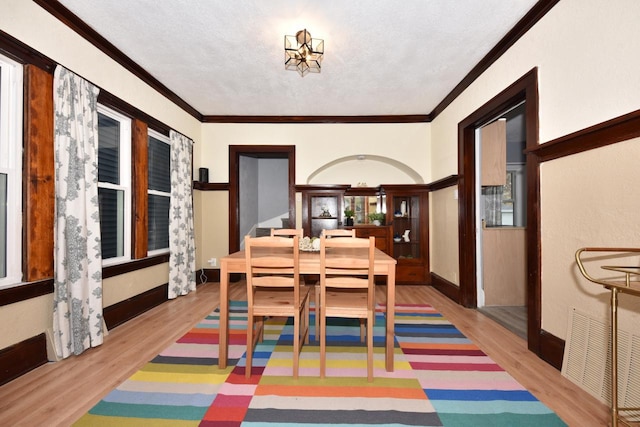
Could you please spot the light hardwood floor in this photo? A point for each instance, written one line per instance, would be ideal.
(59, 393)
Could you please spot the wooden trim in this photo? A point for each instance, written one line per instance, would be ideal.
(116, 270)
(210, 186)
(447, 288)
(25, 54)
(65, 16)
(119, 313)
(525, 89)
(38, 175)
(140, 184)
(536, 13)
(22, 357)
(259, 151)
(443, 183)
(25, 291)
(410, 118)
(112, 101)
(551, 349)
(618, 129)
(213, 275)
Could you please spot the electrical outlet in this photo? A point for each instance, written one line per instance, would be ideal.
(213, 262)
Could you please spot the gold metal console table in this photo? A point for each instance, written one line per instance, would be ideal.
(629, 285)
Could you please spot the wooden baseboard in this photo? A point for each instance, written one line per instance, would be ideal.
(551, 349)
(119, 313)
(207, 275)
(22, 357)
(447, 288)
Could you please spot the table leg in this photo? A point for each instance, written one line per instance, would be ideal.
(614, 356)
(391, 316)
(224, 317)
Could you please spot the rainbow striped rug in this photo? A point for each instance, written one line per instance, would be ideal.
(440, 379)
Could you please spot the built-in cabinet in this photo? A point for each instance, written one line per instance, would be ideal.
(404, 234)
(407, 208)
(321, 208)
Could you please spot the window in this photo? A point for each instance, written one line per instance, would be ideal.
(159, 192)
(10, 172)
(114, 185)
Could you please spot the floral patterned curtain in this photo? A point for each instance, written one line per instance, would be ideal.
(182, 247)
(77, 298)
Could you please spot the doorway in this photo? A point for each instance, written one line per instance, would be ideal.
(244, 156)
(524, 90)
(501, 219)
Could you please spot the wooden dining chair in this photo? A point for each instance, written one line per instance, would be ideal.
(286, 232)
(273, 289)
(347, 288)
(339, 232)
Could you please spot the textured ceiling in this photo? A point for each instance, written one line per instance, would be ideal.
(382, 57)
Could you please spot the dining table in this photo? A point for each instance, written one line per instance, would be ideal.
(309, 264)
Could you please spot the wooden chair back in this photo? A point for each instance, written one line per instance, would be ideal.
(273, 289)
(286, 232)
(347, 288)
(339, 232)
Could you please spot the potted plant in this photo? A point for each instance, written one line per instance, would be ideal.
(377, 218)
(348, 216)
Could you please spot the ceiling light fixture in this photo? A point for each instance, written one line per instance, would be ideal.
(303, 53)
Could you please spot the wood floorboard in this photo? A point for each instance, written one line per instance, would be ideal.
(57, 394)
(513, 318)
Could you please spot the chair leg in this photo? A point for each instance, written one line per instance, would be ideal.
(249, 352)
(362, 325)
(370, 323)
(323, 343)
(305, 327)
(296, 343)
(317, 308)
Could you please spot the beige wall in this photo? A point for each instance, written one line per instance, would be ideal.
(29, 23)
(581, 208)
(585, 52)
(443, 233)
(394, 153)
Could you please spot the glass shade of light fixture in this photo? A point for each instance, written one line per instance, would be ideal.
(303, 53)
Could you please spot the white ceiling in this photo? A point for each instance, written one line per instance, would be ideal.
(382, 57)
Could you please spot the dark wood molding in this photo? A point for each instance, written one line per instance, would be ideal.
(26, 291)
(447, 288)
(65, 16)
(410, 118)
(322, 187)
(551, 349)
(443, 183)
(210, 186)
(112, 101)
(24, 54)
(618, 129)
(20, 358)
(212, 275)
(140, 184)
(119, 313)
(38, 175)
(524, 89)
(116, 270)
(259, 151)
(536, 13)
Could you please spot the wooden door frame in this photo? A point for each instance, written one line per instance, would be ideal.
(525, 89)
(259, 151)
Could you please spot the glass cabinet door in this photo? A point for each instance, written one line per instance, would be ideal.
(406, 227)
(325, 213)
